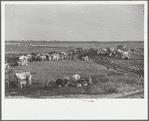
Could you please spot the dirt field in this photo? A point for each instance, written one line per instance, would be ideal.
(107, 83)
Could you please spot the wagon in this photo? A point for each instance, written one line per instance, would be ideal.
(23, 79)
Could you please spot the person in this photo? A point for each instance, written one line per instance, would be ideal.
(29, 78)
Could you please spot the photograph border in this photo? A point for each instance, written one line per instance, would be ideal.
(45, 109)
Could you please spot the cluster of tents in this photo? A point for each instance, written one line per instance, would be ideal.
(24, 59)
(120, 52)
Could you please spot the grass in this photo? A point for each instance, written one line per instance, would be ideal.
(103, 81)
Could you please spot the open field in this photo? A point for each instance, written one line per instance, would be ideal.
(106, 82)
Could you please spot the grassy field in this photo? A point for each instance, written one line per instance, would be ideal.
(105, 82)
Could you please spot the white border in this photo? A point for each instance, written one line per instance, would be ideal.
(45, 109)
(75, 2)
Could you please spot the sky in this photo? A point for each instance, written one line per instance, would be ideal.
(78, 22)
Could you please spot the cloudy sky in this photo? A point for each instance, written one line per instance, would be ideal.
(81, 22)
